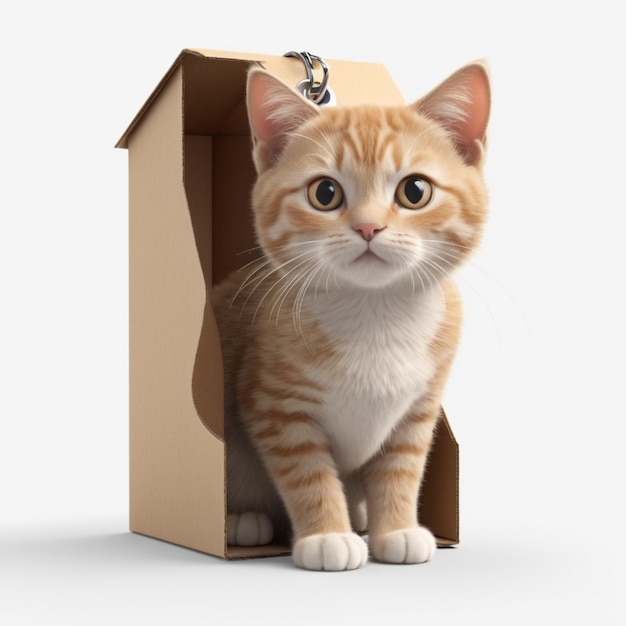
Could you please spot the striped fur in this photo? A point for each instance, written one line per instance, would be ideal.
(337, 342)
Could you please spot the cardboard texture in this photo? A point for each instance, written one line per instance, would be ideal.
(190, 178)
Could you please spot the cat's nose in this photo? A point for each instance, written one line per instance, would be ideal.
(368, 231)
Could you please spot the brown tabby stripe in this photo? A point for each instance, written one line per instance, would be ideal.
(283, 417)
(298, 450)
(278, 197)
(339, 154)
(272, 427)
(285, 373)
(405, 448)
(396, 474)
(317, 478)
(397, 154)
(281, 393)
(471, 201)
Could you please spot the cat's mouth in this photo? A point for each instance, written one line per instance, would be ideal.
(369, 257)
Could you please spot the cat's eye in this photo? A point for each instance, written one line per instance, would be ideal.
(325, 194)
(414, 192)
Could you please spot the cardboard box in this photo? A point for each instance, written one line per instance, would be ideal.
(190, 177)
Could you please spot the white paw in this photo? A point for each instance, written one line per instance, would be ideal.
(410, 545)
(249, 529)
(331, 552)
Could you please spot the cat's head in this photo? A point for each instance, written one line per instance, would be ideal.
(369, 196)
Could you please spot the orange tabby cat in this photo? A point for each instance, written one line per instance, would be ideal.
(337, 344)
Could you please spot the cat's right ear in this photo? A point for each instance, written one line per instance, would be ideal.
(274, 110)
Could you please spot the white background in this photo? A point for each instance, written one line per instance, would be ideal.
(537, 394)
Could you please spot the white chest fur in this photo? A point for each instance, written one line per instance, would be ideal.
(383, 366)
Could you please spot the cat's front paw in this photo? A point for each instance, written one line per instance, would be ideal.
(331, 552)
(409, 545)
(249, 529)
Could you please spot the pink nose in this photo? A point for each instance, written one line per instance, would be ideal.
(368, 231)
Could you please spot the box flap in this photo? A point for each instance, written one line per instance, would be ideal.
(439, 495)
(353, 82)
(123, 141)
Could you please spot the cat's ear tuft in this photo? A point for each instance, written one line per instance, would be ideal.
(274, 110)
(461, 104)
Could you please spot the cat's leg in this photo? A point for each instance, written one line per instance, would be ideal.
(249, 529)
(253, 504)
(298, 458)
(392, 483)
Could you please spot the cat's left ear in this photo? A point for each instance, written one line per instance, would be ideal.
(461, 104)
(275, 110)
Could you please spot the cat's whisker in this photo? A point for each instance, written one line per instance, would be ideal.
(248, 280)
(281, 296)
(418, 271)
(260, 260)
(447, 246)
(427, 265)
(296, 310)
(261, 279)
(446, 257)
(403, 261)
(276, 249)
(281, 278)
(255, 282)
(304, 290)
(292, 244)
(298, 301)
(317, 284)
(498, 284)
(324, 275)
(432, 263)
(335, 278)
(413, 286)
(427, 279)
(284, 293)
(493, 318)
(327, 279)
(250, 250)
(257, 260)
(288, 289)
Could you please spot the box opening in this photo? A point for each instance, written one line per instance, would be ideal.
(218, 178)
